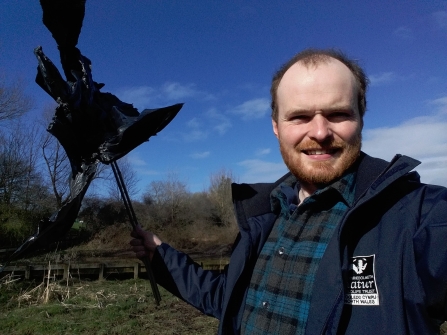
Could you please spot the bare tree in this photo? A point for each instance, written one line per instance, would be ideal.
(34, 182)
(58, 168)
(13, 100)
(23, 193)
(19, 176)
(56, 161)
(130, 178)
(12, 168)
(220, 197)
(169, 200)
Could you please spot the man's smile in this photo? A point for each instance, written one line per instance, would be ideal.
(319, 152)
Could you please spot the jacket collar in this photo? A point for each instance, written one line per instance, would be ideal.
(373, 174)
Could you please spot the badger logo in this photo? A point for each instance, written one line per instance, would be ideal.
(361, 285)
(359, 264)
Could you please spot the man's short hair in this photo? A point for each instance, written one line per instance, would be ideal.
(316, 57)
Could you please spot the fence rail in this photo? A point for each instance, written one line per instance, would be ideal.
(99, 270)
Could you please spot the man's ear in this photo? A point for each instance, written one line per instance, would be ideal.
(275, 128)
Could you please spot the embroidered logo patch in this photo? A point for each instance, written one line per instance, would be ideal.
(361, 286)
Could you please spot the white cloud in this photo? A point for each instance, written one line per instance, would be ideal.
(139, 164)
(263, 152)
(403, 32)
(441, 102)
(200, 155)
(440, 19)
(423, 138)
(194, 132)
(220, 122)
(175, 91)
(252, 109)
(193, 123)
(141, 97)
(194, 135)
(222, 127)
(199, 129)
(258, 171)
(135, 160)
(419, 140)
(382, 78)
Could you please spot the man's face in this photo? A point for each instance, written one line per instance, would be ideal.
(319, 125)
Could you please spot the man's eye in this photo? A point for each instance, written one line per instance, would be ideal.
(299, 118)
(339, 115)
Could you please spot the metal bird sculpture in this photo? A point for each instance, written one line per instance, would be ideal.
(93, 127)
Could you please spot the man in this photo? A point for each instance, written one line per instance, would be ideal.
(344, 244)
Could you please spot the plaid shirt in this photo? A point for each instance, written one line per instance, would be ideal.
(280, 290)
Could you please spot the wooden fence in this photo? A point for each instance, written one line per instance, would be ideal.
(91, 270)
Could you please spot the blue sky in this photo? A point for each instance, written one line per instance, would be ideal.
(218, 58)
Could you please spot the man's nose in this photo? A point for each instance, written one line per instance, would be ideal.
(320, 128)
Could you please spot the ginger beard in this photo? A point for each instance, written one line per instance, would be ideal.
(325, 171)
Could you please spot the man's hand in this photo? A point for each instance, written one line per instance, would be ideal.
(144, 243)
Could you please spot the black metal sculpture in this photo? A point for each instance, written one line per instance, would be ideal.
(92, 126)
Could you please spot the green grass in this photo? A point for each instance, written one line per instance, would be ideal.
(100, 307)
(78, 225)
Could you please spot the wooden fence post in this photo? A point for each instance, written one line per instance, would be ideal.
(66, 271)
(101, 271)
(136, 270)
(28, 270)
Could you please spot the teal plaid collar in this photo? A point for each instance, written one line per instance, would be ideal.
(286, 194)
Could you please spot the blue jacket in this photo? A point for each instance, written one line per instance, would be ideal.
(397, 225)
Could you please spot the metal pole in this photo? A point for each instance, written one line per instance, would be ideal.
(134, 223)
